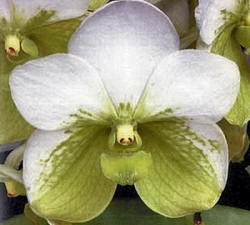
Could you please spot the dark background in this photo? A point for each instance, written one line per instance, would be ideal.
(236, 193)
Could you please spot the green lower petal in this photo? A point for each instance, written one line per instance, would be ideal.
(126, 169)
(183, 180)
(227, 46)
(74, 188)
(237, 140)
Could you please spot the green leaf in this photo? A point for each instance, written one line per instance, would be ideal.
(237, 140)
(227, 46)
(133, 211)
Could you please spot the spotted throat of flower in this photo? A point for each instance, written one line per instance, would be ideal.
(125, 163)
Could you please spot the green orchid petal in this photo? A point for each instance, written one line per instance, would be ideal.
(31, 216)
(62, 174)
(126, 169)
(95, 4)
(55, 222)
(242, 35)
(190, 164)
(237, 139)
(227, 46)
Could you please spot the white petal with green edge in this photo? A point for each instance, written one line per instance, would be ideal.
(50, 91)
(209, 17)
(62, 174)
(123, 42)
(190, 166)
(190, 83)
(64, 9)
(4, 10)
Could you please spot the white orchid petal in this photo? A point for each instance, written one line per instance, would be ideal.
(191, 83)
(5, 10)
(124, 41)
(64, 9)
(47, 91)
(209, 17)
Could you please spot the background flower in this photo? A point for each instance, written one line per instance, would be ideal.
(30, 29)
(224, 27)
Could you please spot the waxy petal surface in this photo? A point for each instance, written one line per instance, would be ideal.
(190, 83)
(124, 41)
(190, 166)
(51, 92)
(62, 174)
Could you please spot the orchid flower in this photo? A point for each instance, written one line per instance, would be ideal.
(30, 29)
(225, 28)
(125, 107)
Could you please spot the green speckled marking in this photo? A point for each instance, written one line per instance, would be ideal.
(183, 180)
(215, 146)
(71, 186)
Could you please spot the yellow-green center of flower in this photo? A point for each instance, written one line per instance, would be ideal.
(12, 45)
(125, 134)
